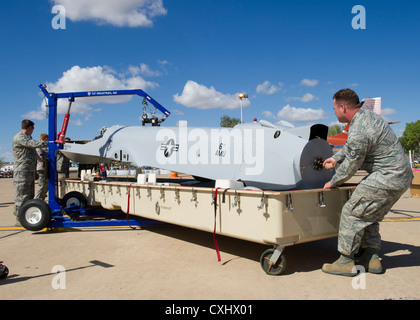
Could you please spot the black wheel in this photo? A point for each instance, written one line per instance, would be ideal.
(75, 199)
(272, 269)
(35, 215)
(4, 271)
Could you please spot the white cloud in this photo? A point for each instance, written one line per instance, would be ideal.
(147, 72)
(144, 70)
(268, 88)
(309, 82)
(388, 111)
(76, 122)
(293, 114)
(268, 114)
(121, 13)
(199, 96)
(306, 98)
(177, 112)
(79, 79)
(134, 70)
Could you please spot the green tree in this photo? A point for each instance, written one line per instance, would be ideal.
(335, 129)
(228, 122)
(410, 139)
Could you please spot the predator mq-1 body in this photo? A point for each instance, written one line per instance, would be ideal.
(260, 154)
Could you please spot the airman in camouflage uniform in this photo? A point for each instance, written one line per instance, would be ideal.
(63, 164)
(42, 170)
(25, 158)
(372, 146)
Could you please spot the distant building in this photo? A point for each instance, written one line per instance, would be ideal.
(7, 167)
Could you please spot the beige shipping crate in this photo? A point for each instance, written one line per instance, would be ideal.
(266, 217)
(280, 218)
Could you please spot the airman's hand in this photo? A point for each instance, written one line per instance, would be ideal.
(330, 164)
(328, 185)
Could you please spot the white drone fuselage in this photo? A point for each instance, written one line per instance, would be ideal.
(261, 155)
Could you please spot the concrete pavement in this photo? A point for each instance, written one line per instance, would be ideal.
(175, 263)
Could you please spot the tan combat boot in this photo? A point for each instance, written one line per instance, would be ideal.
(343, 267)
(370, 261)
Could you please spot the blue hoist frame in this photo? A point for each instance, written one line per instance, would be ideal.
(56, 143)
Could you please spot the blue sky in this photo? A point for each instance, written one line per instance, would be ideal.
(195, 56)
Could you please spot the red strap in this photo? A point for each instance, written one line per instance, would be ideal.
(214, 232)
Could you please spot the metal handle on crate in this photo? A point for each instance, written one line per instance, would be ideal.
(289, 202)
(261, 206)
(321, 200)
(235, 200)
(194, 196)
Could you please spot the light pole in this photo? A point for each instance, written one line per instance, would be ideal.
(242, 96)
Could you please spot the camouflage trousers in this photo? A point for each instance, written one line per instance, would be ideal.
(360, 217)
(24, 183)
(42, 189)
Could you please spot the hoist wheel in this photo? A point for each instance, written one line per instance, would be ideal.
(35, 215)
(269, 268)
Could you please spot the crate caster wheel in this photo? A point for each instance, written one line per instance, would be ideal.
(4, 271)
(74, 198)
(273, 262)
